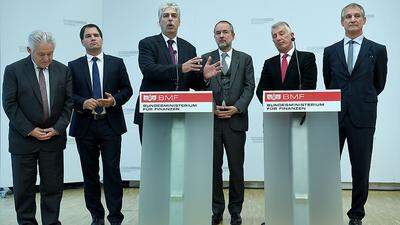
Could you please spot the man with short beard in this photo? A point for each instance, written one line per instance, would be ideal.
(232, 90)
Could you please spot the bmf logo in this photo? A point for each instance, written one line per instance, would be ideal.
(149, 98)
(274, 97)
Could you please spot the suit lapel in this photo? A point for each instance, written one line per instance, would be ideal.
(53, 84)
(105, 72)
(86, 73)
(181, 52)
(361, 55)
(291, 67)
(341, 56)
(30, 71)
(277, 72)
(214, 58)
(234, 65)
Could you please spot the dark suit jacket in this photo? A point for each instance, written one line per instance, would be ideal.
(22, 103)
(159, 74)
(360, 88)
(115, 81)
(241, 86)
(271, 74)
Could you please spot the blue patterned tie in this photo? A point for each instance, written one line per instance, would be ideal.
(96, 83)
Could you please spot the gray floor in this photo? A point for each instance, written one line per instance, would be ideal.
(383, 208)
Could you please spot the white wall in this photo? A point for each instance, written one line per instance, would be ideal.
(124, 22)
(64, 19)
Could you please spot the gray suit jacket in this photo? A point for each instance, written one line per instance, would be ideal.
(22, 104)
(241, 86)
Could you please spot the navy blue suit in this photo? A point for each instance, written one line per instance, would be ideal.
(357, 118)
(94, 136)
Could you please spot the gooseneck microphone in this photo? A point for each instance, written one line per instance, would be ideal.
(303, 117)
(177, 72)
(297, 62)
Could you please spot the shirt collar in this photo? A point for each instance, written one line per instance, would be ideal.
(229, 53)
(37, 67)
(167, 38)
(290, 53)
(358, 39)
(99, 57)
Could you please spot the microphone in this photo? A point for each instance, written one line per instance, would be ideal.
(303, 117)
(297, 62)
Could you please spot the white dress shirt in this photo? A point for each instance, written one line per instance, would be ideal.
(289, 56)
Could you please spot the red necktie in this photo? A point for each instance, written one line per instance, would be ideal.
(284, 66)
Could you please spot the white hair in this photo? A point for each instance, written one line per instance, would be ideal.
(163, 6)
(37, 37)
(281, 24)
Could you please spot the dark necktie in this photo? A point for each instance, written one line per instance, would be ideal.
(43, 93)
(225, 67)
(171, 51)
(350, 56)
(284, 66)
(96, 83)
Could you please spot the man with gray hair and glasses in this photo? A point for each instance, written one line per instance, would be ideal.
(358, 67)
(37, 99)
(170, 63)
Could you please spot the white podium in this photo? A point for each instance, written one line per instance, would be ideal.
(176, 164)
(301, 158)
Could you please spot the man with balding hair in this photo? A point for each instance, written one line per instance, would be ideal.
(37, 99)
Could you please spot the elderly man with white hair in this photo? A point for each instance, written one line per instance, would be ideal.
(37, 99)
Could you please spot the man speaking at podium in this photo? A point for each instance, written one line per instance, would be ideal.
(169, 63)
(358, 67)
(290, 69)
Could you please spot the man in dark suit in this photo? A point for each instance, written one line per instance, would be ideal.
(281, 72)
(37, 98)
(358, 67)
(233, 90)
(169, 63)
(101, 86)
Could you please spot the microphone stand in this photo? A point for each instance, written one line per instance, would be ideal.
(177, 72)
(303, 118)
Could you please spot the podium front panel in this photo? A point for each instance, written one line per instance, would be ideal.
(176, 175)
(302, 169)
